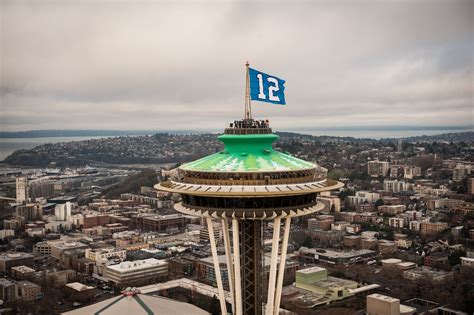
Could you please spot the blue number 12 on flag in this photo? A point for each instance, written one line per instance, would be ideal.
(266, 88)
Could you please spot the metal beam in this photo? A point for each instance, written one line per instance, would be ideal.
(230, 263)
(217, 268)
(281, 268)
(273, 266)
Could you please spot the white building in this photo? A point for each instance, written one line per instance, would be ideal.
(466, 261)
(363, 197)
(140, 271)
(102, 254)
(21, 189)
(396, 222)
(395, 186)
(63, 211)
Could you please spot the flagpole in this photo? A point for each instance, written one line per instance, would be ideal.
(248, 104)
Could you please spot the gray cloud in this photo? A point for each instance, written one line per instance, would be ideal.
(167, 65)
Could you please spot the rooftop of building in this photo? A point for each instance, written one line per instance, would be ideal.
(339, 254)
(77, 286)
(391, 261)
(137, 264)
(23, 269)
(26, 283)
(14, 256)
(311, 270)
(382, 297)
(138, 304)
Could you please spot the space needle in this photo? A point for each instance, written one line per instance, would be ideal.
(247, 186)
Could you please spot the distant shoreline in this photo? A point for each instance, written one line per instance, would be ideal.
(331, 131)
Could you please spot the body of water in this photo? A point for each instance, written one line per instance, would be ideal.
(10, 145)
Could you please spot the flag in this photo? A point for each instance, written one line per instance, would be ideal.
(266, 88)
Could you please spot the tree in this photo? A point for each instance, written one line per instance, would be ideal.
(308, 242)
(379, 203)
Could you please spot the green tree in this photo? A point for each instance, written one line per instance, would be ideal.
(308, 242)
(379, 203)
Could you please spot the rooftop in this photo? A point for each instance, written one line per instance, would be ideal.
(79, 286)
(14, 256)
(137, 265)
(311, 270)
(138, 304)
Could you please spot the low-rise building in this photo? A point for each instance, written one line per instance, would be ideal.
(396, 222)
(467, 262)
(42, 248)
(136, 273)
(387, 247)
(8, 290)
(29, 291)
(432, 228)
(429, 273)
(317, 281)
(392, 209)
(20, 272)
(9, 260)
(378, 304)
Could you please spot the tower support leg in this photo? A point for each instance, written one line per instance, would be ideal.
(230, 263)
(217, 268)
(273, 267)
(281, 267)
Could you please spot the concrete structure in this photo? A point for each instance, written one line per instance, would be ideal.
(21, 272)
(245, 184)
(9, 260)
(103, 254)
(427, 273)
(432, 228)
(30, 211)
(140, 272)
(332, 257)
(378, 304)
(42, 248)
(8, 290)
(409, 172)
(352, 241)
(80, 292)
(322, 222)
(316, 280)
(331, 204)
(5, 233)
(395, 186)
(363, 197)
(392, 210)
(378, 168)
(387, 247)
(63, 211)
(22, 190)
(28, 291)
(58, 247)
(396, 222)
(467, 262)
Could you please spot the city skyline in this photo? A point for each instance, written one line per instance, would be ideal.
(123, 65)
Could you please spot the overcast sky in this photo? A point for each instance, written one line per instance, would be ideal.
(164, 65)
